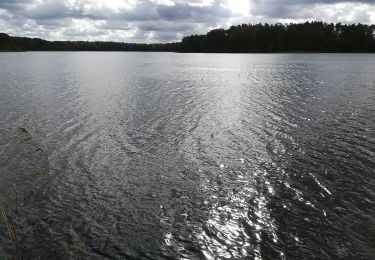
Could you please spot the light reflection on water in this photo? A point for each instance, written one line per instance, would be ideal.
(176, 156)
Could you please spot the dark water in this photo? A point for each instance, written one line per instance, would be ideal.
(181, 156)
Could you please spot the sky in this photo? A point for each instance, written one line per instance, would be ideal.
(164, 20)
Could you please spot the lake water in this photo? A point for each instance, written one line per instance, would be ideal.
(188, 156)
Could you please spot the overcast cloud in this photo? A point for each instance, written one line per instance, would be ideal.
(164, 20)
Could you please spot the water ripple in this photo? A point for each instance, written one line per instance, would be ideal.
(182, 156)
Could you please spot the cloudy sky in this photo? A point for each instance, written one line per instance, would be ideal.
(164, 20)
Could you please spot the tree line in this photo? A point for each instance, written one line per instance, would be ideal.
(302, 37)
(245, 38)
(9, 43)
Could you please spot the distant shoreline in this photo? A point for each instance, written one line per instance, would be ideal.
(290, 52)
(308, 37)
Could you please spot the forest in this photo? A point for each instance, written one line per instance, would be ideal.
(9, 43)
(245, 38)
(303, 37)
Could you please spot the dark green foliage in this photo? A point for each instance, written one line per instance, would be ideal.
(302, 37)
(8, 43)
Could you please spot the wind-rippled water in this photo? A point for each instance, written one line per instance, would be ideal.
(190, 156)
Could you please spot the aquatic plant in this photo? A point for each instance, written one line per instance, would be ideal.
(21, 192)
(11, 233)
(80, 251)
(23, 130)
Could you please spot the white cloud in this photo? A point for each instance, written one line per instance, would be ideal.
(164, 20)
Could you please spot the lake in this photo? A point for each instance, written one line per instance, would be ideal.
(187, 156)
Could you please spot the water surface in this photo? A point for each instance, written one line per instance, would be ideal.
(189, 156)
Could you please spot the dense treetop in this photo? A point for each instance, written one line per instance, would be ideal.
(302, 37)
(9, 43)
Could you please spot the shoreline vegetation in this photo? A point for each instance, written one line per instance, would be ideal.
(246, 38)
(23, 194)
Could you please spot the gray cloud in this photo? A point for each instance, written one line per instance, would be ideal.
(163, 20)
(292, 8)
